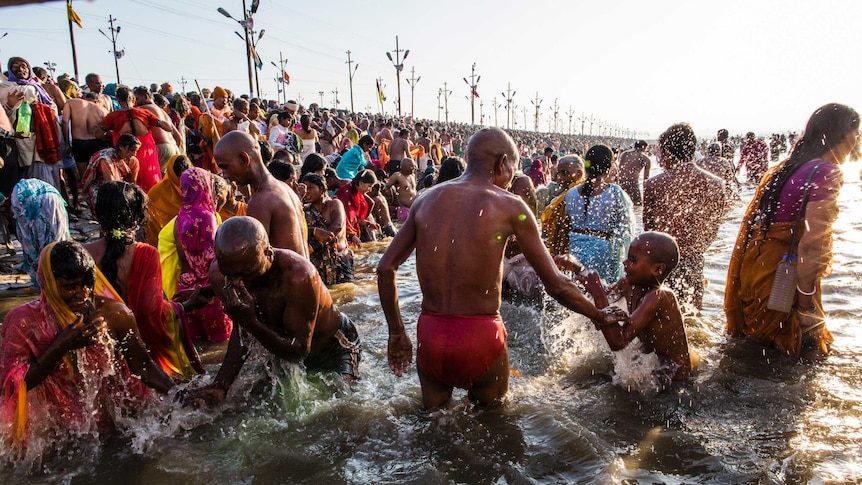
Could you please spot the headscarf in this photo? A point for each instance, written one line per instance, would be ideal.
(43, 95)
(197, 212)
(536, 174)
(40, 219)
(219, 92)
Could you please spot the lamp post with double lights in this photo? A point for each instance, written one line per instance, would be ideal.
(398, 62)
(473, 83)
(351, 70)
(247, 24)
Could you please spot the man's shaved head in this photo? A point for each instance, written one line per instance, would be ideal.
(492, 151)
(660, 248)
(240, 235)
(237, 141)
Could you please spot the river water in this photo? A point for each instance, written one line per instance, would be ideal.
(749, 416)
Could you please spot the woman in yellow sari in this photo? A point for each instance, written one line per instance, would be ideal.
(765, 233)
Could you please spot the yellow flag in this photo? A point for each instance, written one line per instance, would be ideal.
(73, 16)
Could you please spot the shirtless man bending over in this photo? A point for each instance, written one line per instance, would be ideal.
(272, 203)
(632, 163)
(461, 337)
(277, 296)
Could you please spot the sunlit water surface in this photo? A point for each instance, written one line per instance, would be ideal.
(749, 415)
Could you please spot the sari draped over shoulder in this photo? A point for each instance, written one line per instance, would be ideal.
(601, 231)
(753, 263)
(195, 231)
(84, 392)
(40, 219)
(333, 264)
(160, 322)
(556, 225)
(165, 200)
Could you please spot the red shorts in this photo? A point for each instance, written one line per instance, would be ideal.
(457, 350)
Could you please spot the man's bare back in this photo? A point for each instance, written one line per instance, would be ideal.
(688, 203)
(159, 135)
(399, 149)
(83, 116)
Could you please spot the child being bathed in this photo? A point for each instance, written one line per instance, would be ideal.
(655, 318)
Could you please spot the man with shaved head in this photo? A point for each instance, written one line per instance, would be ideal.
(277, 296)
(459, 231)
(272, 203)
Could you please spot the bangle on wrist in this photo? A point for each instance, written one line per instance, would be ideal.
(814, 290)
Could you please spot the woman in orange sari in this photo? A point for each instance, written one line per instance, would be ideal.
(765, 233)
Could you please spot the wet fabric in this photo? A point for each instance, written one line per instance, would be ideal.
(752, 271)
(333, 264)
(457, 350)
(84, 392)
(195, 235)
(46, 129)
(40, 219)
(600, 237)
(106, 166)
(165, 199)
(342, 354)
(159, 321)
(556, 225)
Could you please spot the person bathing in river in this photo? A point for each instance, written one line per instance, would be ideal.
(655, 317)
(461, 336)
(277, 296)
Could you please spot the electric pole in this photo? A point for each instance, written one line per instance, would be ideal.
(351, 71)
(446, 93)
(398, 62)
(495, 105)
(570, 113)
(113, 38)
(413, 81)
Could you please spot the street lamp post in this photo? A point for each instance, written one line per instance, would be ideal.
(509, 95)
(247, 24)
(398, 62)
(473, 83)
(321, 99)
(446, 93)
(280, 81)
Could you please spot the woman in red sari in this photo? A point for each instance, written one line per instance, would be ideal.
(139, 122)
(120, 163)
(357, 207)
(134, 272)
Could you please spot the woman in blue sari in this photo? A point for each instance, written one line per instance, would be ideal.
(602, 218)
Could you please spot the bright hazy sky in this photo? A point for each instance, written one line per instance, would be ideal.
(747, 65)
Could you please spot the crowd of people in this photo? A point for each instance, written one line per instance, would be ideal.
(226, 218)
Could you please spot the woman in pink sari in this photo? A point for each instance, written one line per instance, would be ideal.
(194, 231)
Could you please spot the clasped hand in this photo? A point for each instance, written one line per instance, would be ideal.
(238, 303)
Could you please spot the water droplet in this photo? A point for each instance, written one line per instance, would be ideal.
(522, 217)
(481, 211)
(435, 249)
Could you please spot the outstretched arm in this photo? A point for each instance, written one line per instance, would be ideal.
(121, 323)
(400, 349)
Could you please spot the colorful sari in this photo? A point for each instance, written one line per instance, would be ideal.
(753, 263)
(84, 392)
(602, 227)
(556, 225)
(165, 200)
(40, 219)
(160, 322)
(334, 265)
(106, 166)
(356, 208)
(195, 236)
